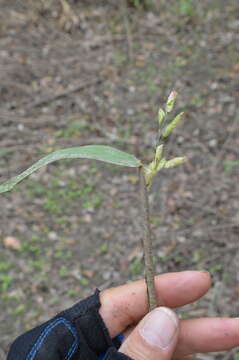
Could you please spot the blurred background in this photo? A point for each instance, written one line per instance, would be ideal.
(82, 72)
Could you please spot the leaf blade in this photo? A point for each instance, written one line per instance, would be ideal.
(95, 152)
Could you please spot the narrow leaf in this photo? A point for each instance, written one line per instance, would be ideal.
(96, 152)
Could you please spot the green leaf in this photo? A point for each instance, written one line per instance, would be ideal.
(96, 152)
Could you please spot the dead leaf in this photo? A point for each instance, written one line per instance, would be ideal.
(135, 253)
(87, 218)
(52, 235)
(133, 179)
(236, 67)
(71, 241)
(12, 242)
(149, 46)
(88, 273)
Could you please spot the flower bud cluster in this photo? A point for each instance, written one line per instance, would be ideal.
(159, 161)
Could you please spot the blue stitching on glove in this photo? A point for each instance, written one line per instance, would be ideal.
(120, 337)
(46, 332)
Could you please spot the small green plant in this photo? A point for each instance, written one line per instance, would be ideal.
(4, 266)
(19, 309)
(136, 266)
(5, 281)
(117, 157)
(230, 165)
(186, 7)
(63, 271)
(141, 4)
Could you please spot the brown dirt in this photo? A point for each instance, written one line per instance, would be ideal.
(97, 74)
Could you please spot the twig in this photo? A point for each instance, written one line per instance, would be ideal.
(127, 28)
(61, 94)
(147, 242)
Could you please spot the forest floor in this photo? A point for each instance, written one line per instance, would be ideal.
(97, 73)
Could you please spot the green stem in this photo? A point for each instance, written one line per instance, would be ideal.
(147, 242)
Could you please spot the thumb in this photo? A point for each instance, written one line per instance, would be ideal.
(154, 338)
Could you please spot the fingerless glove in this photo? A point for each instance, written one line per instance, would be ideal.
(78, 333)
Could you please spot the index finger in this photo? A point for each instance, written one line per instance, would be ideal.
(125, 305)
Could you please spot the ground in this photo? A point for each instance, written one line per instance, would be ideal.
(82, 72)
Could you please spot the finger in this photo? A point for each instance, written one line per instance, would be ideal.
(126, 305)
(187, 358)
(207, 335)
(154, 338)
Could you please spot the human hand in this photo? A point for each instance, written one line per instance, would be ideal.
(160, 335)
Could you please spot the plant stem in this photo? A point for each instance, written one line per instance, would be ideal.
(147, 242)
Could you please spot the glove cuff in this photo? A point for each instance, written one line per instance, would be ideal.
(113, 354)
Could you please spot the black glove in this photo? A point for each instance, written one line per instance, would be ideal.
(78, 333)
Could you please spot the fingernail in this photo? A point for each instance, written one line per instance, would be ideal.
(205, 272)
(160, 327)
